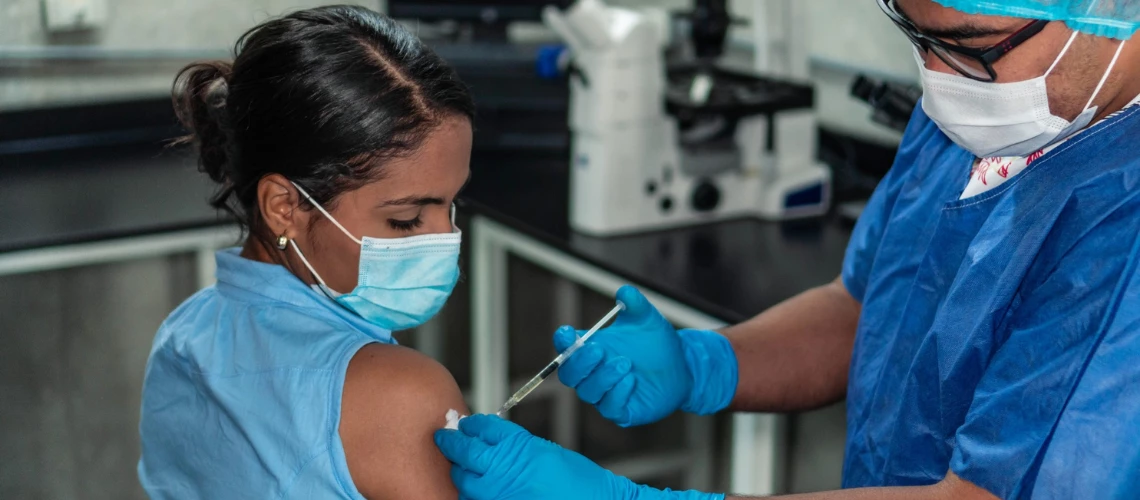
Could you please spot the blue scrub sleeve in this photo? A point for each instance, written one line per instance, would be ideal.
(1057, 411)
(864, 243)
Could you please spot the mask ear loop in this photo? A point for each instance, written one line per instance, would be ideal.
(325, 213)
(305, 261)
(1107, 72)
(1060, 56)
(324, 286)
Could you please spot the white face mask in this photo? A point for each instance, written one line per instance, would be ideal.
(1001, 119)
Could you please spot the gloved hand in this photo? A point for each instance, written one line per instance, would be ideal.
(494, 459)
(640, 369)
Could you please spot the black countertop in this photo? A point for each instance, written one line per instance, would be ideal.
(730, 270)
(50, 199)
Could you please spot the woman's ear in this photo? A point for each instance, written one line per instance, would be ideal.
(278, 201)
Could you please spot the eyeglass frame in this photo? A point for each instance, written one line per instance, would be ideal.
(985, 56)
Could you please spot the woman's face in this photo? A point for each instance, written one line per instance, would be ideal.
(413, 197)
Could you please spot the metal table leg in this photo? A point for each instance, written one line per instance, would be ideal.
(489, 347)
(757, 453)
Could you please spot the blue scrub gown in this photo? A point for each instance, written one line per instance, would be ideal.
(1000, 334)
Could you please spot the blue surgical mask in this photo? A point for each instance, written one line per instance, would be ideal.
(402, 282)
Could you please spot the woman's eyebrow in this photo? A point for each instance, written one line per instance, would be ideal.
(413, 200)
(420, 200)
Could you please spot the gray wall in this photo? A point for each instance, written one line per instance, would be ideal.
(74, 347)
(844, 36)
(209, 26)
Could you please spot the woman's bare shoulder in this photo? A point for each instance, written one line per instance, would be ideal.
(394, 400)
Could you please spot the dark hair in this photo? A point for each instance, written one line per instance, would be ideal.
(321, 96)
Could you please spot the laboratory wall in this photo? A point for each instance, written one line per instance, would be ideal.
(75, 343)
(130, 54)
(846, 38)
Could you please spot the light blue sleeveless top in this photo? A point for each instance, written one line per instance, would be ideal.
(242, 394)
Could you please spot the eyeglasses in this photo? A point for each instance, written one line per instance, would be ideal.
(971, 63)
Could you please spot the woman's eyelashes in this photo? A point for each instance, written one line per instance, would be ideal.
(406, 225)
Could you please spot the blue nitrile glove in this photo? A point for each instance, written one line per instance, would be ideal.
(494, 459)
(640, 370)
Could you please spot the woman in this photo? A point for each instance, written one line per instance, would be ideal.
(340, 142)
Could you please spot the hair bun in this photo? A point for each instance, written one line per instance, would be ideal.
(199, 95)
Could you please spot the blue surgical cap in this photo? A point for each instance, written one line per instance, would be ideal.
(1107, 18)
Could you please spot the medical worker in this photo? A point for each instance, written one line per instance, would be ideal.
(339, 141)
(985, 330)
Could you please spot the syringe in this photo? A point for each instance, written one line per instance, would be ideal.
(550, 368)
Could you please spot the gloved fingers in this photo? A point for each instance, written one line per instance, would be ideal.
(604, 378)
(490, 428)
(466, 482)
(614, 406)
(636, 305)
(466, 452)
(564, 336)
(579, 366)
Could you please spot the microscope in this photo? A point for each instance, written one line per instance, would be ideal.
(657, 146)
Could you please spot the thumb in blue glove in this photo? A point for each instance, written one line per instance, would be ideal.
(494, 459)
(640, 369)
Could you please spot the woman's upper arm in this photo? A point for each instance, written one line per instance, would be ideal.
(394, 399)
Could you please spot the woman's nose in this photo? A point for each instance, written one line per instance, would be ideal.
(440, 221)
